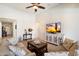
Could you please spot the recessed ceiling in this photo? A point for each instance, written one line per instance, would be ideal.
(21, 6)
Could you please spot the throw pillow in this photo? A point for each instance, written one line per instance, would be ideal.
(67, 43)
(72, 51)
(13, 41)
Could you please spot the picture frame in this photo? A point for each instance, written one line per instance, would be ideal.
(53, 27)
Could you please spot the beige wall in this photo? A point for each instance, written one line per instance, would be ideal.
(67, 14)
(24, 20)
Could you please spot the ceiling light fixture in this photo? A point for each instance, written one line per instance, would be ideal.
(35, 6)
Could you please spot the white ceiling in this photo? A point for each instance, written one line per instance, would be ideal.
(49, 6)
(21, 6)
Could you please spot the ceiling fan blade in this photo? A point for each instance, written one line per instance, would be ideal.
(41, 7)
(29, 6)
(35, 3)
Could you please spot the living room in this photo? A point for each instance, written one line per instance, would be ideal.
(25, 19)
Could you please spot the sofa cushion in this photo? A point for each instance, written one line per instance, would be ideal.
(65, 53)
(67, 43)
(17, 50)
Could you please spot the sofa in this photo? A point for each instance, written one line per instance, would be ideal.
(18, 49)
(68, 48)
(64, 53)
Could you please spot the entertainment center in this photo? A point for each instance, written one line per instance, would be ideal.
(53, 33)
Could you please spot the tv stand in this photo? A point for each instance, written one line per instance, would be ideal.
(55, 39)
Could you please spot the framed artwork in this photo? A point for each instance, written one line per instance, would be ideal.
(53, 27)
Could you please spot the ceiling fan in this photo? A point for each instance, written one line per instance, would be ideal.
(35, 6)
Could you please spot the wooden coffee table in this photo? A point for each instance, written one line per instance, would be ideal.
(39, 49)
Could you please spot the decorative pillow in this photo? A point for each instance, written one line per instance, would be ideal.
(72, 51)
(17, 50)
(13, 41)
(67, 43)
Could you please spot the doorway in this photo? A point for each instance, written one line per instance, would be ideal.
(7, 29)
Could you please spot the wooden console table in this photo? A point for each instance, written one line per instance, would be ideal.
(39, 49)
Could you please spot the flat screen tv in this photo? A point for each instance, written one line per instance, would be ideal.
(53, 27)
